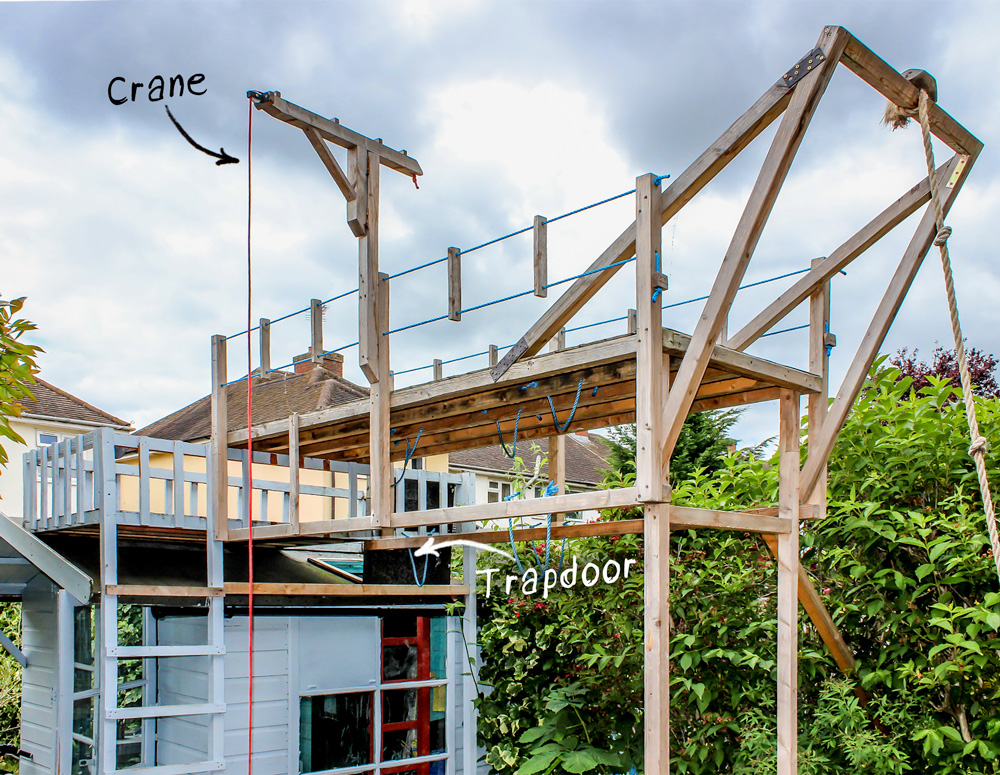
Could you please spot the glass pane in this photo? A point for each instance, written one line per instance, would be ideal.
(433, 495)
(129, 742)
(83, 636)
(401, 744)
(83, 717)
(439, 647)
(83, 680)
(83, 762)
(335, 730)
(438, 744)
(399, 705)
(410, 494)
(399, 663)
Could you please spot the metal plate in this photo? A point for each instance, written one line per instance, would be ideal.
(509, 359)
(803, 67)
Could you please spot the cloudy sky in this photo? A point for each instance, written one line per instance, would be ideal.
(130, 244)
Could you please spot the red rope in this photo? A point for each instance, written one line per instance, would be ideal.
(249, 493)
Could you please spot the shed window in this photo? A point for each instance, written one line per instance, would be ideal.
(400, 727)
(335, 730)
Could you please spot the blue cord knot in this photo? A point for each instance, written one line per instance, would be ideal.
(531, 384)
(659, 179)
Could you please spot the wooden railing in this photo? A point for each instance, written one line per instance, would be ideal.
(162, 483)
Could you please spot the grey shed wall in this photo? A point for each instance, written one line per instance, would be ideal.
(292, 655)
(48, 656)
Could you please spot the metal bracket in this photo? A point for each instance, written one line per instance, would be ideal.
(803, 67)
(509, 359)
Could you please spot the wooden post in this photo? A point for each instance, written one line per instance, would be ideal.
(650, 474)
(557, 444)
(293, 471)
(220, 442)
(316, 329)
(438, 371)
(369, 334)
(819, 363)
(381, 476)
(656, 636)
(649, 346)
(788, 583)
(494, 356)
(541, 258)
(265, 346)
(633, 323)
(454, 284)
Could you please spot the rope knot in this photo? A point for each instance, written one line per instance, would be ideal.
(979, 446)
(942, 236)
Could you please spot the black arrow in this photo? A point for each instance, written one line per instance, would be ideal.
(223, 157)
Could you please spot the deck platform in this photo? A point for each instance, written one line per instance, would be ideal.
(467, 410)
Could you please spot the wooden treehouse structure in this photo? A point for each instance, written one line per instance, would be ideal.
(652, 375)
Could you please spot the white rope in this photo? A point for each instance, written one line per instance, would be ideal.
(979, 444)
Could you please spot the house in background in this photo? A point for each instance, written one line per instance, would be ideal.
(497, 475)
(54, 416)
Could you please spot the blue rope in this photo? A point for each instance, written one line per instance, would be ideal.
(785, 330)
(548, 546)
(589, 207)
(742, 287)
(418, 268)
(503, 446)
(588, 272)
(550, 489)
(555, 420)
(659, 179)
(409, 453)
(656, 291)
(533, 383)
(562, 553)
(513, 547)
(413, 564)
(598, 323)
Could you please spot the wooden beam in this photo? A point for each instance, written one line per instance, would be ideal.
(454, 284)
(684, 188)
(871, 342)
(823, 270)
(578, 501)
(557, 443)
(319, 527)
(160, 590)
(219, 448)
(369, 333)
(788, 584)
(874, 71)
(649, 465)
(347, 590)
(438, 369)
(686, 518)
(786, 142)
(274, 105)
(265, 346)
(357, 208)
(344, 183)
(540, 254)
(813, 604)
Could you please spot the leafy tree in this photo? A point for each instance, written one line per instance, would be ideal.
(904, 566)
(944, 365)
(703, 441)
(17, 369)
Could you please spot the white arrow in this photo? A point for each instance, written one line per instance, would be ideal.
(432, 548)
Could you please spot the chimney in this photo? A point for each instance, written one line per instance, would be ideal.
(332, 362)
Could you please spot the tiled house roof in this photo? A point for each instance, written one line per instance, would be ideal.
(56, 404)
(275, 397)
(586, 456)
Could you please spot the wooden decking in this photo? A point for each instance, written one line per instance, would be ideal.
(464, 411)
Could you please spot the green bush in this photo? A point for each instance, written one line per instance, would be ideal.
(904, 566)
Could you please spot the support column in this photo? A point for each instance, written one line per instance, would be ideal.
(220, 440)
(788, 584)
(820, 339)
(651, 377)
(381, 473)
